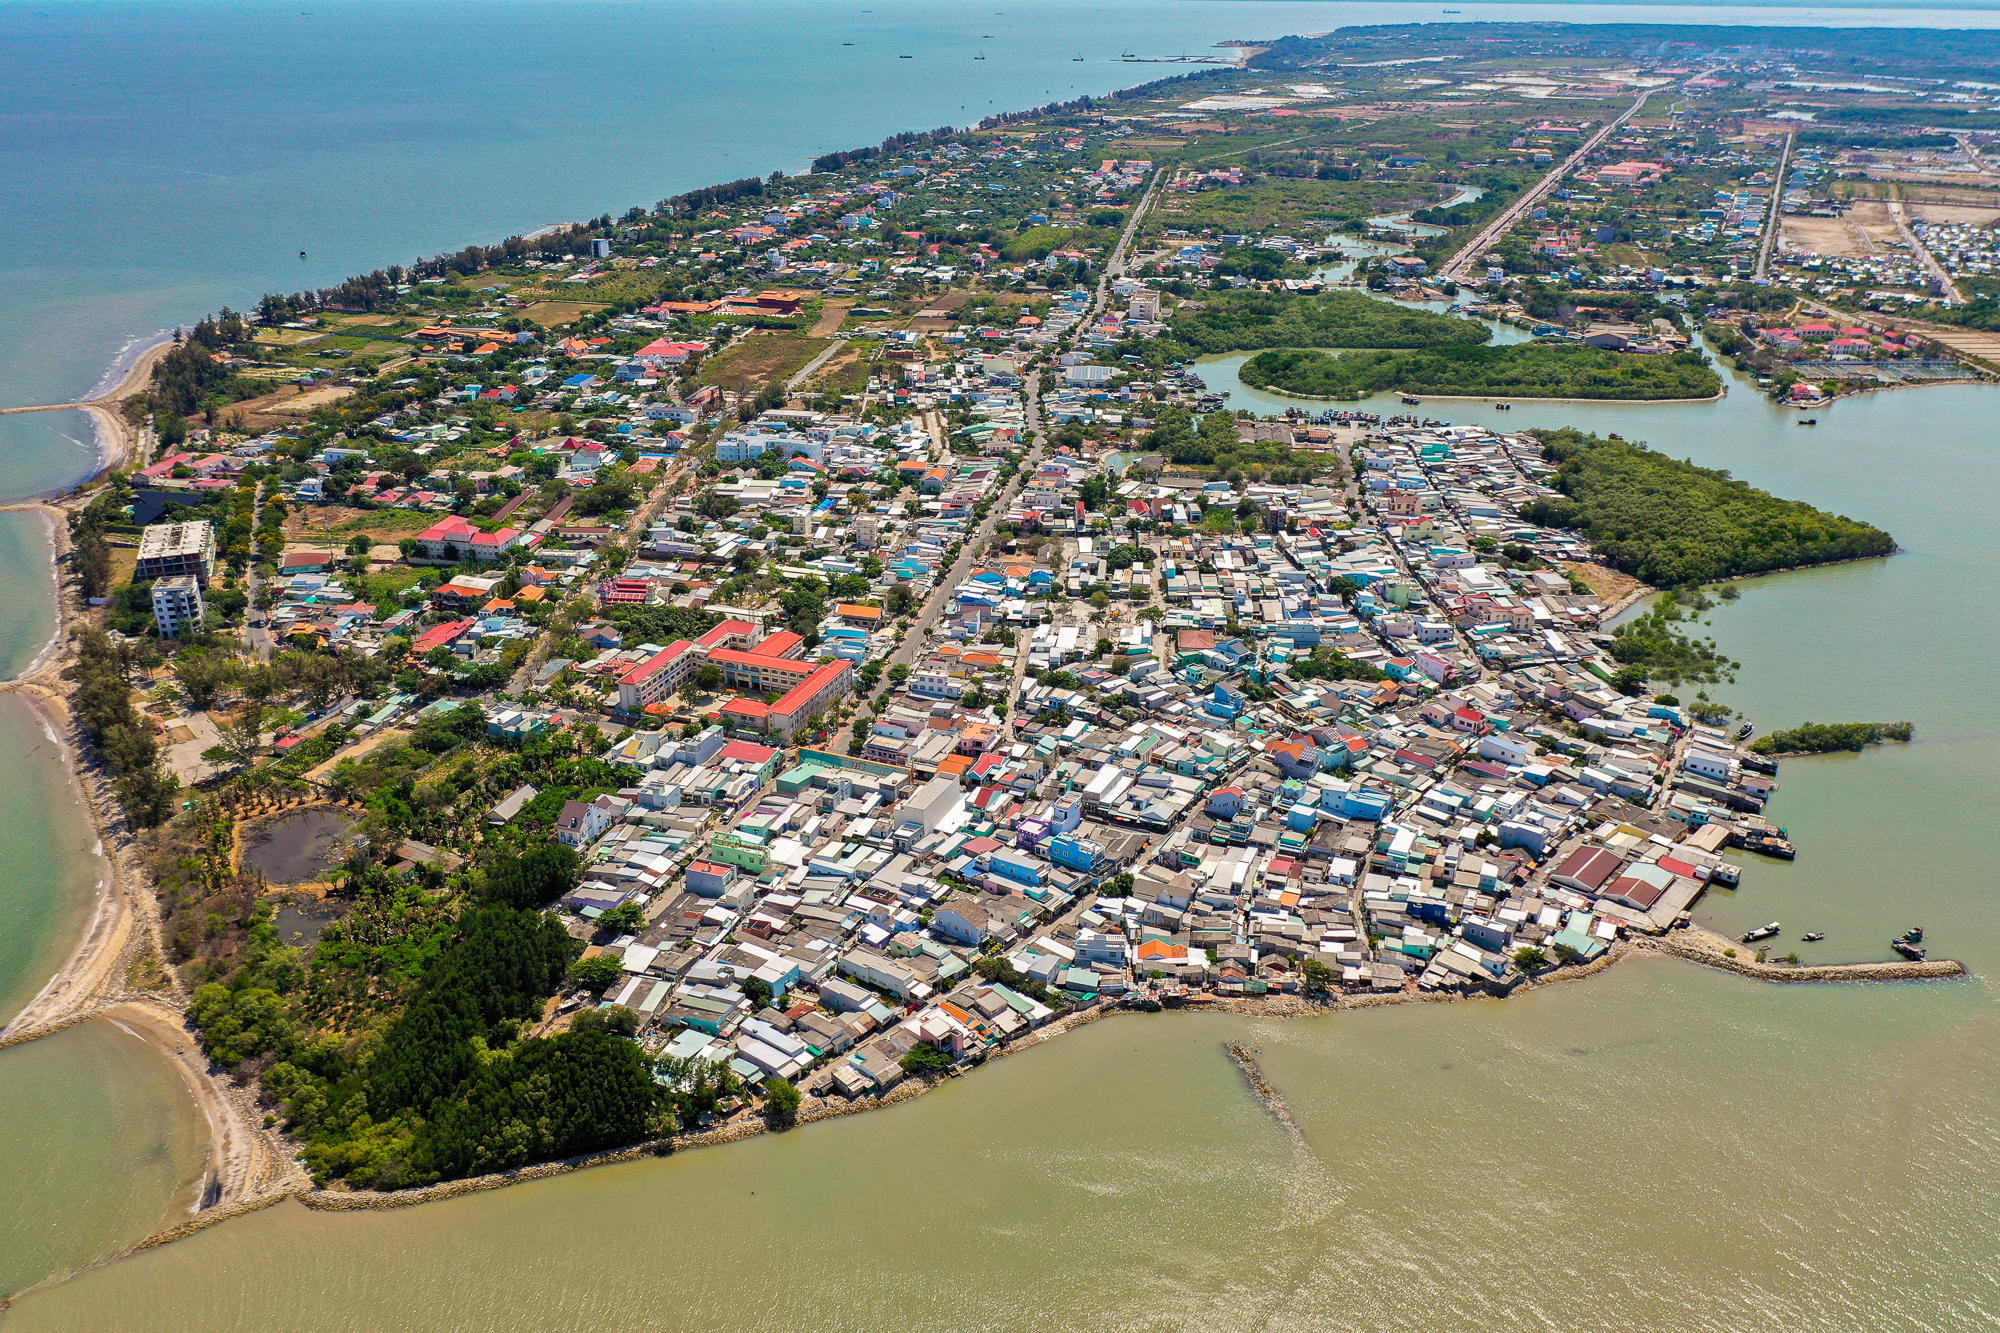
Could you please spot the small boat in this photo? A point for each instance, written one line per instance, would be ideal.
(1077, 60)
(1761, 933)
(1910, 951)
(1809, 421)
(1914, 935)
(906, 57)
(1503, 407)
(1412, 401)
(1813, 936)
(1744, 730)
(980, 56)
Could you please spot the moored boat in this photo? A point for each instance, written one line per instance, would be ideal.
(1762, 932)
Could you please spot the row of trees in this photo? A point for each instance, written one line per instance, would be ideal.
(103, 672)
(1516, 370)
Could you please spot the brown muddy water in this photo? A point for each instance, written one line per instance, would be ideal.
(298, 847)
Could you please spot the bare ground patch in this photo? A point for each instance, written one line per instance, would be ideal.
(548, 314)
(1610, 585)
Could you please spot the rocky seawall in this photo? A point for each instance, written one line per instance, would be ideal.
(1696, 945)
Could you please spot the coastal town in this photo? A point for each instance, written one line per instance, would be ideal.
(843, 605)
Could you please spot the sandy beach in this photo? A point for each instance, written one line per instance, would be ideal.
(105, 975)
(117, 438)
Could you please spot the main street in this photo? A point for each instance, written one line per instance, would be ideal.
(1773, 216)
(1455, 267)
(1036, 428)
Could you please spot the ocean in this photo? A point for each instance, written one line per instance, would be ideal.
(1658, 1147)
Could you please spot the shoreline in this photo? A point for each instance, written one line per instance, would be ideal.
(1692, 944)
(105, 973)
(117, 438)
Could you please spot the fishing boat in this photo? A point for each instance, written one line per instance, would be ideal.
(1910, 951)
(1503, 407)
(1744, 731)
(1761, 933)
(980, 56)
(1914, 935)
(1077, 60)
(1809, 421)
(906, 57)
(1412, 400)
(1813, 936)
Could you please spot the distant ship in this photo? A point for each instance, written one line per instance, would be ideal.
(1078, 60)
(906, 57)
(980, 56)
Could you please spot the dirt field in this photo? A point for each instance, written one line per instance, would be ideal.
(1866, 229)
(830, 315)
(1820, 236)
(313, 398)
(1606, 582)
(758, 358)
(285, 405)
(372, 321)
(845, 373)
(548, 314)
(1940, 213)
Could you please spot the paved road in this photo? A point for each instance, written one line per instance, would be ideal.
(634, 530)
(806, 371)
(255, 633)
(1901, 218)
(1494, 230)
(914, 640)
(1772, 215)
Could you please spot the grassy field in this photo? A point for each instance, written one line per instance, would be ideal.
(322, 523)
(760, 358)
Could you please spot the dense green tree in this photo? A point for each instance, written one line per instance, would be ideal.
(505, 963)
(1673, 524)
(542, 1099)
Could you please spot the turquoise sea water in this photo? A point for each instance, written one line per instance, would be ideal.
(163, 159)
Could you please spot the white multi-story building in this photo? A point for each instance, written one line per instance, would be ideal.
(177, 604)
